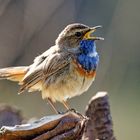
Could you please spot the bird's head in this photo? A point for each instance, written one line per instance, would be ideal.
(73, 34)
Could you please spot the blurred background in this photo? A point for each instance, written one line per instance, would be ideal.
(29, 27)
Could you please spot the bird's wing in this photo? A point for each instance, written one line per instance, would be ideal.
(43, 68)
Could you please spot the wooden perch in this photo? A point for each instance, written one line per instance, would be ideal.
(56, 127)
(99, 125)
(68, 126)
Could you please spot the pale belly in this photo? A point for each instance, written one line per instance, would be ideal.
(68, 86)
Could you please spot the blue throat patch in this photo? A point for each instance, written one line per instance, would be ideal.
(88, 56)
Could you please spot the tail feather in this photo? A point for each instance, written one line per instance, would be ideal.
(13, 73)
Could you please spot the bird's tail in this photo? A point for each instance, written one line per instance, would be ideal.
(13, 73)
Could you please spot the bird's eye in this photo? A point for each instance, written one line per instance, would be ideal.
(78, 34)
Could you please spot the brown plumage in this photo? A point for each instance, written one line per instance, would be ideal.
(55, 72)
(13, 73)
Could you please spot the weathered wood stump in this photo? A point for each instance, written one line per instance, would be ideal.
(95, 125)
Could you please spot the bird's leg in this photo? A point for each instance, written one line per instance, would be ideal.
(53, 106)
(66, 105)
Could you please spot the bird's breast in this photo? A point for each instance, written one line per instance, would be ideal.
(82, 71)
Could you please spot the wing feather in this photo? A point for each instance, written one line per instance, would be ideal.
(49, 66)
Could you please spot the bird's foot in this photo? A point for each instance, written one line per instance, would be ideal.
(69, 110)
(76, 112)
(60, 112)
(72, 110)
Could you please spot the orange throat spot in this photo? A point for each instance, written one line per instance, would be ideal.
(84, 72)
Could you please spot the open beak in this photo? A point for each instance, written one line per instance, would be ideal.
(92, 30)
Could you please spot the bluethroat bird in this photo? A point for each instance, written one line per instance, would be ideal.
(65, 70)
